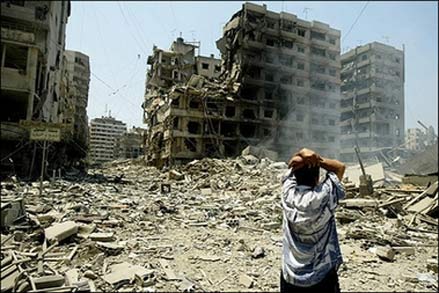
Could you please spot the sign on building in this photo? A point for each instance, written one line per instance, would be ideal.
(45, 133)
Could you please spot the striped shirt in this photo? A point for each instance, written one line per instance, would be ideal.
(310, 242)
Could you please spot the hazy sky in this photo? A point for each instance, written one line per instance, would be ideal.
(119, 35)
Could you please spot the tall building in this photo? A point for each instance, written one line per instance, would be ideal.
(168, 72)
(104, 133)
(372, 106)
(289, 79)
(32, 47)
(77, 70)
(278, 86)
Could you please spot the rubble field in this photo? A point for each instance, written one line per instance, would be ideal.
(209, 225)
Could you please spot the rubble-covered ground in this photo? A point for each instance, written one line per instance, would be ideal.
(209, 225)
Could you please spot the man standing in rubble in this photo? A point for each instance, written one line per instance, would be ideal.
(311, 252)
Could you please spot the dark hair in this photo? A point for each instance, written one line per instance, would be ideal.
(307, 176)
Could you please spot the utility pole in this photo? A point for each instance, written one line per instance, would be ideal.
(43, 165)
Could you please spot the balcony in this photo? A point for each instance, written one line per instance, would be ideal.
(13, 80)
(27, 14)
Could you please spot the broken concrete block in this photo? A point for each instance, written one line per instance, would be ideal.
(61, 231)
(358, 203)
(407, 250)
(250, 159)
(422, 205)
(84, 231)
(259, 152)
(90, 275)
(258, 252)
(245, 280)
(279, 165)
(102, 237)
(385, 253)
(124, 272)
(71, 277)
(206, 191)
(175, 175)
(186, 285)
(49, 281)
(169, 273)
(110, 246)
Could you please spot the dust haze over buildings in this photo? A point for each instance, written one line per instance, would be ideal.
(279, 87)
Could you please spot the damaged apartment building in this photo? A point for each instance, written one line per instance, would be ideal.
(32, 48)
(41, 82)
(372, 106)
(77, 80)
(278, 87)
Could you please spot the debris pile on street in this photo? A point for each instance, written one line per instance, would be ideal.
(208, 225)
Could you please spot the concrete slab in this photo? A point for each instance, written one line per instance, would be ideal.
(61, 231)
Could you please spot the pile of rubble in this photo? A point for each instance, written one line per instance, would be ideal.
(209, 225)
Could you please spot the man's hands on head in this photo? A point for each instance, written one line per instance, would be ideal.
(305, 157)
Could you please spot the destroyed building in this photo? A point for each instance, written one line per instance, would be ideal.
(288, 70)
(278, 87)
(418, 140)
(104, 133)
(32, 46)
(77, 74)
(131, 144)
(167, 108)
(372, 106)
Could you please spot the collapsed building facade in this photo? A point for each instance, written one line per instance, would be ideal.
(32, 84)
(372, 106)
(278, 87)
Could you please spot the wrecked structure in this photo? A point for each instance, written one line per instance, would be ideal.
(418, 140)
(278, 87)
(77, 75)
(167, 107)
(104, 133)
(32, 46)
(131, 144)
(210, 225)
(372, 106)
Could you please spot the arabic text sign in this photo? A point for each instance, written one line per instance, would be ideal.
(45, 133)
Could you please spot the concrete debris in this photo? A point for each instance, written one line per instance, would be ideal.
(102, 237)
(61, 231)
(124, 272)
(258, 252)
(245, 280)
(217, 228)
(375, 171)
(260, 153)
(385, 253)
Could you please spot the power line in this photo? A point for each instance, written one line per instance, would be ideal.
(358, 17)
(132, 34)
(138, 27)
